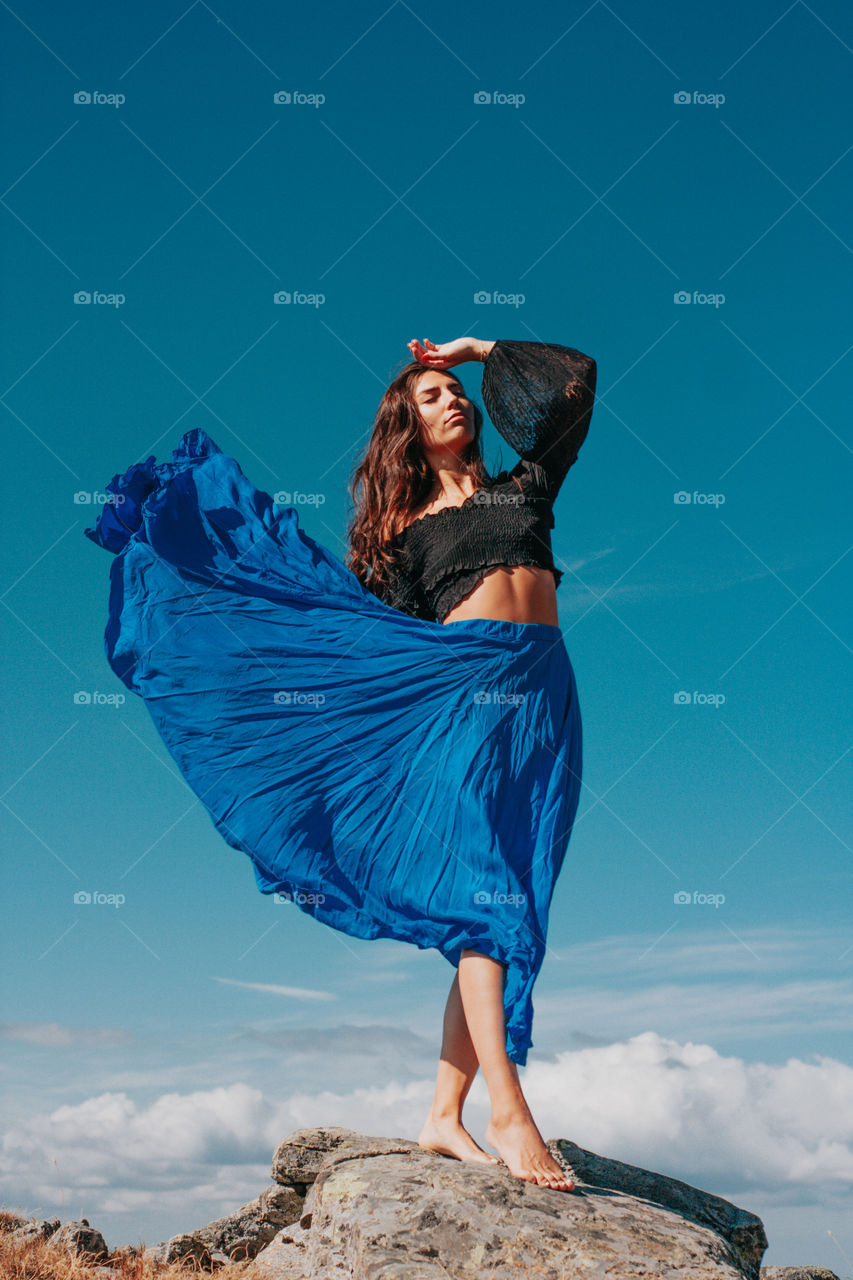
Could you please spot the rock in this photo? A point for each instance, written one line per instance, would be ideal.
(287, 1257)
(75, 1237)
(244, 1233)
(743, 1231)
(797, 1273)
(300, 1156)
(79, 1238)
(239, 1236)
(36, 1228)
(379, 1207)
(176, 1249)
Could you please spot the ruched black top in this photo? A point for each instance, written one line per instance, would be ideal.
(539, 396)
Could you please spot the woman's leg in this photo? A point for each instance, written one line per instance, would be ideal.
(443, 1130)
(511, 1130)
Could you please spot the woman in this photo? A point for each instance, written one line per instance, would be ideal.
(397, 745)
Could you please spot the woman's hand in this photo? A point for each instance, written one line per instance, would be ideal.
(446, 354)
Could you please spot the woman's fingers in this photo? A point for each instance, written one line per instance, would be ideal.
(424, 352)
(435, 355)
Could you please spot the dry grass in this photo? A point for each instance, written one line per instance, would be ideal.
(37, 1259)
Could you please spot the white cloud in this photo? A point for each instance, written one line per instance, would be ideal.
(687, 1110)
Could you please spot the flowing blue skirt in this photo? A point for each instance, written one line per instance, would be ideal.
(393, 777)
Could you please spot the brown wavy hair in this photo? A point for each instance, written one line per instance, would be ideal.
(394, 478)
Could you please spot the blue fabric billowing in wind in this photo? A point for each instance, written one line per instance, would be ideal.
(395, 777)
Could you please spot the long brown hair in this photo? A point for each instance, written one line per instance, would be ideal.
(394, 478)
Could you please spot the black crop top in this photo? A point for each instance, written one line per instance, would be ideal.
(539, 396)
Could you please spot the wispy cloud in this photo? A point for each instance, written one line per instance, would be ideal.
(580, 590)
(694, 984)
(57, 1034)
(752, 1011)
(296, 993)
(695, 953)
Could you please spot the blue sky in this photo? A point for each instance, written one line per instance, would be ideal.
(197, 1021)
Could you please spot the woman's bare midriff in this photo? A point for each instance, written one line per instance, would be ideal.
(511, 593)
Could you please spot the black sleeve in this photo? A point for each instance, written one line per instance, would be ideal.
(540, 395)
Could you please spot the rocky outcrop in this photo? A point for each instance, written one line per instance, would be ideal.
(797, 1273)
(81, 1239)
(240, 1236)
(22, 1229)
(347, 1206)
(75, 1237)
(381, 1207)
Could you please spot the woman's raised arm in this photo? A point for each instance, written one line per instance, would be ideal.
(445, 355)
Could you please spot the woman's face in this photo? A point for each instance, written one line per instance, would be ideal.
(446, 412)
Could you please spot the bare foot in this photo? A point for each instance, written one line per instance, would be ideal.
(449, 1137)
(526, 1155)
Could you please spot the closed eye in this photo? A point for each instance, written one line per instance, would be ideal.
(433, 392)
